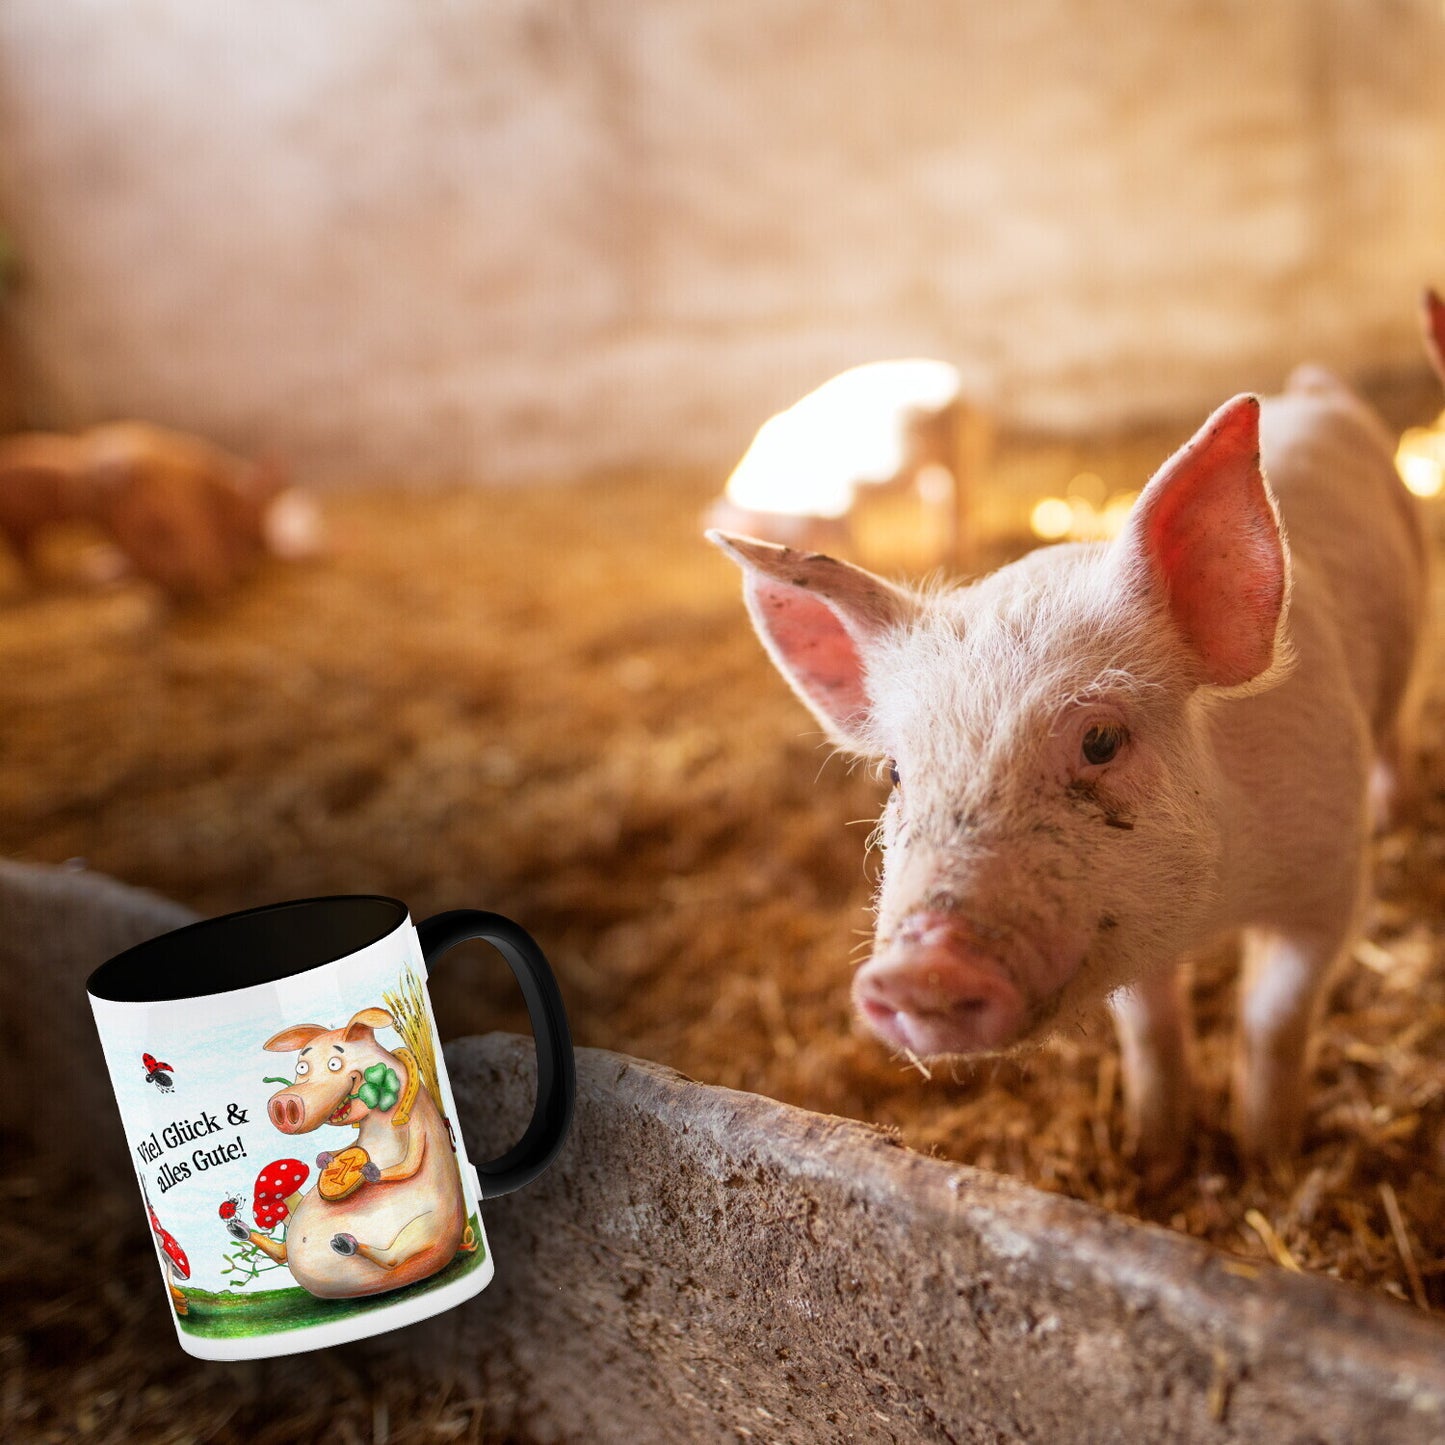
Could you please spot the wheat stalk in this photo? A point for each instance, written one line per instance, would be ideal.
(408, 1010)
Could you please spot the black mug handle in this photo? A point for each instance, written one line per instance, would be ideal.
(556, 1071)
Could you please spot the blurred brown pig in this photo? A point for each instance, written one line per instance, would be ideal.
(189, 516)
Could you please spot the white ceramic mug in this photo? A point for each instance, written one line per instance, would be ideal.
(271, 1244)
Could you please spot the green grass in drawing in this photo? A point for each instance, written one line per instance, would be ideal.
(223, 1315)
(244, 1263)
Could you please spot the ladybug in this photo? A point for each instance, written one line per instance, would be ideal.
(158, 1073)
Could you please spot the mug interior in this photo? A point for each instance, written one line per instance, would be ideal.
(240, 950)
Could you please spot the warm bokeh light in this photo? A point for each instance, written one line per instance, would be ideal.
(1080, 517)
(1422, 475)
(808, 460)
(1052, 519)
(1116, 512)
(1421, 458)
(1088, 487)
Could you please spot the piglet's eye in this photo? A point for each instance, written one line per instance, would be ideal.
(1102, 742)
(893, 772)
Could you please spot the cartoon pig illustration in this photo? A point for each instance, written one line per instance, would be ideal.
(1105, 756)
(387, 1210)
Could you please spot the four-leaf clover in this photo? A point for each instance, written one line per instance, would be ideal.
(380, 1087)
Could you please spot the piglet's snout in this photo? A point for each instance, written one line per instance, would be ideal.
(934, 991)
(287, 1112)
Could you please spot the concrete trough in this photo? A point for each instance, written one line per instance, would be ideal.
(702, 1264)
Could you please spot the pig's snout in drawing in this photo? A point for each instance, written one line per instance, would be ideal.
(309, 1104)
(933, 990)
(287, 1113)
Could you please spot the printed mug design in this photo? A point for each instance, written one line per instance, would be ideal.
(380, 1208)
(384, 1211)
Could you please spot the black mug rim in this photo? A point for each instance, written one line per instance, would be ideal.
(172, 967)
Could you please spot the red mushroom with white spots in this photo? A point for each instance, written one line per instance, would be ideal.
(278, 1188)
(176, 1261)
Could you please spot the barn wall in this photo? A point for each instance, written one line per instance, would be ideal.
(507, 239)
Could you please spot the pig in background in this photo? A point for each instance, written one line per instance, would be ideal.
(1107, 756)
(183, 513)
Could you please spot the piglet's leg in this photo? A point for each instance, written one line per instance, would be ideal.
(1394, 779)
(1152, 1019)
(410, 1240)
(1281, 984)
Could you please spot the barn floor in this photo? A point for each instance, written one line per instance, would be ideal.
(548, 702)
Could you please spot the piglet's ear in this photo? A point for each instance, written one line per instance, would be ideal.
(1206, 535)
(364, 1021)
(817, 617)
(1432, 318)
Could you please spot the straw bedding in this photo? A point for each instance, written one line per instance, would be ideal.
(548, 702)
